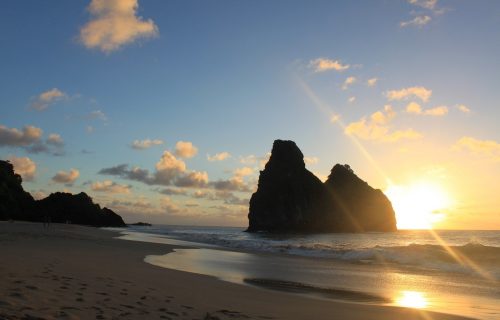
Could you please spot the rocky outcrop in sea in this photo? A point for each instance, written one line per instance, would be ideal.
(290, 198)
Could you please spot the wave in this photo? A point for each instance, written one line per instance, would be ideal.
(471, 257)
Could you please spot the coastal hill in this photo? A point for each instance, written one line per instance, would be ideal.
(289, 198)
(17, 204)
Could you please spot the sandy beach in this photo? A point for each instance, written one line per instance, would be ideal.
(75, 272)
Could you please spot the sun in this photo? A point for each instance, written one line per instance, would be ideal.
(418, 205)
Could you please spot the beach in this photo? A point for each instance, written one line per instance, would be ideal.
(76, 272)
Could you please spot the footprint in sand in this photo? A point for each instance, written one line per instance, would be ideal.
(16, 295)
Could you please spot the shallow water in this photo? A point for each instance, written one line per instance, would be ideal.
(459, 278)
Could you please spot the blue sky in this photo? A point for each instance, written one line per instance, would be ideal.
(232, 76)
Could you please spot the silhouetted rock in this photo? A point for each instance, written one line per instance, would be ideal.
(357, 206)
(289, 198)
(17, 204)
(79, 209)
(140, 224)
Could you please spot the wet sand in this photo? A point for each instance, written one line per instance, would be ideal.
(75, 272)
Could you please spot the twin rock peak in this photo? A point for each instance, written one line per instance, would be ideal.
(290, 198)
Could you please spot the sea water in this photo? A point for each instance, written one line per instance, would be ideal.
(452, 271)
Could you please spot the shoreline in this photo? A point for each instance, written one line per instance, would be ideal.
(73, 272)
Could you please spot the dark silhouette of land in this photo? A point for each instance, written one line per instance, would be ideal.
(59, 207)
(290, 198)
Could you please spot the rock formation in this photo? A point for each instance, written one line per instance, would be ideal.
(357, 206)
(78, 209)
(289, 198)
(17, 204)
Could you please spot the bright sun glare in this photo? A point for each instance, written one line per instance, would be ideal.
(411, 299)
(419, 205)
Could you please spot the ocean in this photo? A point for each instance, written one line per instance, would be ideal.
(451, 271)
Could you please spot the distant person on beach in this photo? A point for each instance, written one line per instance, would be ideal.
(46, 221)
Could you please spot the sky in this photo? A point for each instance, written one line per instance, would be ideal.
(165, 111)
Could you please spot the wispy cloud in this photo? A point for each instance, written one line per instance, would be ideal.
(418, 21)
(348, 82)
(376, 128)
(406, 93)
(55, 140)
(114, 24)
(463, 108)
(97, 115)
(219, 156)
(426, 4)
(24, 166)
(109, 186)
(487, 148)
(145, 144)
(372, 82)
(324, 64)
(311, 160)
(425, 9)
(47, 98)
(415, 108)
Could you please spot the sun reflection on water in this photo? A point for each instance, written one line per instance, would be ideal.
(411, 299)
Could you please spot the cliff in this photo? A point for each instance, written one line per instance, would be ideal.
(17, 204)
(289, 198)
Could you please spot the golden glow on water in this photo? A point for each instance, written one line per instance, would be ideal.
(418, 205)
(411, 299)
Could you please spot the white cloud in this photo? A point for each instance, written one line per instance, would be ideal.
(192, 179)
(463, 108)
(372, 82)
(19, 138)
(98, 115)
(311, 160)
(348, 82)
(426, 4)
(243, 172)
(24, 166)
(168, 168)
(145, 144)
(335, 118)
(377, 128)
(115, 23)
(55, 139)
(436, 111)
(168, 205)
(109, 186)
(67, 177)
(415, 108)
(487, 148)
(418, 21)
(405, 93)
(185, 149)
(219, 156)
(45, 99)
(324, 64)
(250, 159)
